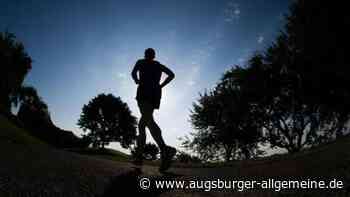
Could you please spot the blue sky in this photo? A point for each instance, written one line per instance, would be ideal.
(83, 48)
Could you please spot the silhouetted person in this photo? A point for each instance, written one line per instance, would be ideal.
(147, 74)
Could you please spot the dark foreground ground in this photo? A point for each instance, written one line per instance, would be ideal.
(30, 168)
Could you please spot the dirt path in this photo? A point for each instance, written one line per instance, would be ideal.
(34, 170)
(323, 163)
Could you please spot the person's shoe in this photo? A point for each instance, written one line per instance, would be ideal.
(167, 158)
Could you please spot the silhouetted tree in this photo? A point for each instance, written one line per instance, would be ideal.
(275, 96)
(296, 87)
(150, 152)
(34, 115)
(107, 119)
(15, 64)
(310, 60)
(184, 157)
(224, 127)
(33, 111)
(317, 36)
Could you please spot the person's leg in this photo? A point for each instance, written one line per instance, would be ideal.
(152, 125)
(141, 138)
(157, 134)
(167, 153)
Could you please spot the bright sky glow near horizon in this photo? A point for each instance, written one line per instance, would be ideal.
(83, 48)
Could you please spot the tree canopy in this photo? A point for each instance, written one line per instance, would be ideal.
(224, 125)
(15, 64)
(150, 151)
(106, 119)
(295, 93)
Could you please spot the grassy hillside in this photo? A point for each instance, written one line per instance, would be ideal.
(32, 168)
(109, 154)
(11, 133)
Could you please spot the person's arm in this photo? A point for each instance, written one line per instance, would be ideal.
(134, 73)
(170, 75)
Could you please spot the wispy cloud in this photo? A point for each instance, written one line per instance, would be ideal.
(281, 17)
(193, 75)
(122, 80)
(232, 12)
(261, 39)
(191, 83)
(240, 60)
(243, 57)
(121, 75)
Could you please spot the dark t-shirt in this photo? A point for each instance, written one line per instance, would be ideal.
(149, 89)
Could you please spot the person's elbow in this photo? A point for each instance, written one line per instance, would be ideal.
(133, 75)
(171, 75)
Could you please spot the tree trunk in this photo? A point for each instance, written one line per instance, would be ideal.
(228, 153)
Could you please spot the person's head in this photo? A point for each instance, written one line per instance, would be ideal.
(150, 54)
